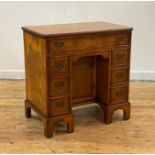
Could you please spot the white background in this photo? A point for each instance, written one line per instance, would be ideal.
(139, 15)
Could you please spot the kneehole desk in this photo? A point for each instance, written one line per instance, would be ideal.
(69, 65)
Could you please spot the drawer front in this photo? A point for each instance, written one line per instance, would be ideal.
(120, 56)
(59, 46)
(101, 42)
(59, 106)
(119, 94)
(58, 86)
(119, 75)
(58, 66)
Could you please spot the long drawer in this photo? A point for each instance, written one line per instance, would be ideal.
(65, 45)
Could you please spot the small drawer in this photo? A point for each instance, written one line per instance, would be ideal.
(121, 39)
(119, 75)
(59, 106)
(100, 42)
(119, 94)
(58, 66)
(120, 56)
(58, 86)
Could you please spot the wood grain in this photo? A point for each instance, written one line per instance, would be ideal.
(86, 80)
(35, 65)
(73, 43)
(74, 28)
(137, 135)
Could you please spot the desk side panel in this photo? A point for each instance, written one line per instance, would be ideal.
(35, 69)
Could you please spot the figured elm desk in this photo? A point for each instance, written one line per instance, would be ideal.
(73, 64)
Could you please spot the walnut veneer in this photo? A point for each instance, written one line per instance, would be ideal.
(73, 64)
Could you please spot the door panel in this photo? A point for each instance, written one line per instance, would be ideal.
(83, 79)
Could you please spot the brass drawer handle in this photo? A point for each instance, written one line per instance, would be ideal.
(59, 44)
(120, 39)
(119, 93)
(120, 56)
(59, 85)
(59, 64)
(59, 103)
(120, 75)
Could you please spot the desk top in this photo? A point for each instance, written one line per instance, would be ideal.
(74, 28)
